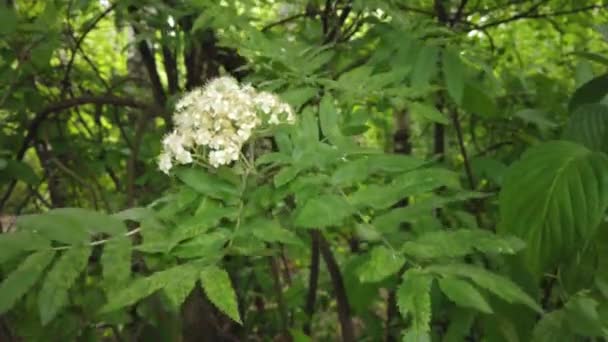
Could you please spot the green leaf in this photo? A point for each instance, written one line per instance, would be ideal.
(351, 171)
(464, 294)
(382, 263)
(19, 281)
(61, 228)
(270, 231)
(90, 220)
(328, 117)
(536, 117)
(476, 101)
(203, 245)
(554, 199)
(454, 73)
(286, 175)
(428, 112)
(591, 92)
(142, 287)
(497, 284)
(414, 299)
(394, 163)
(53, 295)
(582, 316)
(588, 126)
(207, 184)
(8, 20)
(218, 288)
(323, 211)
(425, 67)
(18, 242)
(116, 262)
(594, 57)
(458, 243)
(299, 96)
(178, 288)
(18, 170)
(552, 327)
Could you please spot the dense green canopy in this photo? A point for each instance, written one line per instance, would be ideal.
(446, 177)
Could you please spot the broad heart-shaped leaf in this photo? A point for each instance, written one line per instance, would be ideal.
(218, 288)
(382, 263)
(453, 72)
(554, 199)
(588, 126)
(464, 294)
(591, 92)
(207, 183)
(19, 281)
(497, 284)
(414, 299)
(53, 295)
(323, 211)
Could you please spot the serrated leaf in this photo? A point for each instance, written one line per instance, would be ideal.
(464, 294)
(19, 281)
(178, 288)
(18, 242)
(582, 316)
(203, 245)
(554, 199)
(428, 112)
(476, 101)
(591, 92)
(218, 288)
(588, 126)
(458, 243)
(53, 295)
(116, 262)
(414, 300)
(552, 327)
(453, 72)
(381, 264)
(207, 184)
(286, 175)
(425, 68)
(497, 284)
(323, 211)
(351, 171)
(394, 163)
(270, 231)
(536, 117)
(59, 228)
(141, 288)
(328, 118)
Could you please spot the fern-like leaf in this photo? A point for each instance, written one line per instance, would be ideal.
(23, 278)
(54, 293)
(218, 288)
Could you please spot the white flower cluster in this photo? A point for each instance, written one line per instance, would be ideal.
(213, 122)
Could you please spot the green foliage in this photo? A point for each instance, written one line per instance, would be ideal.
(420, 193)
(554, 199)
(218, 288)
(414, 300)
(53, 295)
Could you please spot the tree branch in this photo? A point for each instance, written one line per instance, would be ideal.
(313, 280)
(344, 315)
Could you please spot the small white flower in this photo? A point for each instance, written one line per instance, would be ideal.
(164, 162)
(220, 116)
